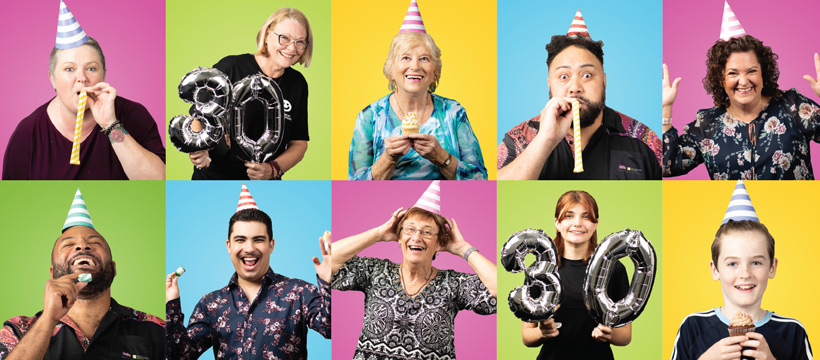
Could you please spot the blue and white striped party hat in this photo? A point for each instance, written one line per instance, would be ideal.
(78, 214)
(740, 207)
(69, 32)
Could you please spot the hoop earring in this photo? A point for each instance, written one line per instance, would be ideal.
(432, 88)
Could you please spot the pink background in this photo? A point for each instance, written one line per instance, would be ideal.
(132, 37)
(360, 206)
(690, 28)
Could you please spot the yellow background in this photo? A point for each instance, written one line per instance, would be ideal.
(465, 31)
(692, 213)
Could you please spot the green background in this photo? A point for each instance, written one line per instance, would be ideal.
(200, 33)
(621, 204)
(129, 214)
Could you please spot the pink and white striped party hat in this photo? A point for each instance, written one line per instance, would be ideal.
(78, 213)
(431, 199)
(412, 20)
(69, 32)
(246, 200)
(578, 26)
(730, 26)
(740, 206)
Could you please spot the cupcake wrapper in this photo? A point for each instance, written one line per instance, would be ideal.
(740, 331)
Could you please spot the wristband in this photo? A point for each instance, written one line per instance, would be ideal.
(278, 170)
(667, 121)
(116, 132)
(468, 252)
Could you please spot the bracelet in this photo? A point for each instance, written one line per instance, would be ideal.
(667, 121)
(446, 162)
(108, 130)
(276, 169)
(468, 252)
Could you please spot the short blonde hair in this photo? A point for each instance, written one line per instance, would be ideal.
(274, 19)
(402, 43)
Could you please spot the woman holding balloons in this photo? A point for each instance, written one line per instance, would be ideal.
(571, 332)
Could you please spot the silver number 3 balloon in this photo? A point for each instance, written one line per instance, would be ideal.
(209, 90)
(541, 293)
(602, 309)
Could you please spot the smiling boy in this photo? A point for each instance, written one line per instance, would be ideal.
(743, 261)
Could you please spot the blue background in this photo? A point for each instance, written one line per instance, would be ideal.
(631, 32)
(197, 227)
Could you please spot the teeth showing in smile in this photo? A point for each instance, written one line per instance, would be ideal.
(286, 56)
(416, 248)
(745, 287)
(744, 90)
(86, 261)
(414, 77)
(250, 261)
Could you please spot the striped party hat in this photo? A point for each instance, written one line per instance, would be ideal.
(69, 32)
(431, 199)
(730, 26)
(578, 26)
(246, 200)
(78, 214)
(740, 207)
(412, 20)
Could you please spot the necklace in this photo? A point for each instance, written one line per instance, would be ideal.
(404, 114)
(403, 287)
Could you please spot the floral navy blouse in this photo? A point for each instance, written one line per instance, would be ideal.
(273, 326)
(774, 146)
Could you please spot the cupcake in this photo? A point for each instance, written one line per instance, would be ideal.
(741, 324)
(410, 124)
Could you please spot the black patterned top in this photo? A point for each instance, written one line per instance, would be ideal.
(397, 326)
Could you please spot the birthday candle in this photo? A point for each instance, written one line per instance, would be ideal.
(78, 130)
(576, 125)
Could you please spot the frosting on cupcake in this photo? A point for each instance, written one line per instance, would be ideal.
(741, 319)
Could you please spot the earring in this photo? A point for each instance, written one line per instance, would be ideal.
(392, 86)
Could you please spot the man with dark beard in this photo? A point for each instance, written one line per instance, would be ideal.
(615, 146)
(260, 314)
(79, 320)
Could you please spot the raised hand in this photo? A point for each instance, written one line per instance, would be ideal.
(385, 231)
(171, 287)
(60, 295)
(670, 90)
(815, 82)
(323, 268)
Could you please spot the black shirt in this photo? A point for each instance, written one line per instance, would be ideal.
(123, 333)
(224, 164)
(574, 340)
(612, 153)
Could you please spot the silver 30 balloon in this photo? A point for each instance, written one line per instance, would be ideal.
(219, 105)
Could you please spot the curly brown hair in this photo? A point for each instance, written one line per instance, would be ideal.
(719, 53)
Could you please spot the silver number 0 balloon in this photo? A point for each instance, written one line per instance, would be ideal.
(602, 309)
(258, 88)
(209, 90)
(541, 293)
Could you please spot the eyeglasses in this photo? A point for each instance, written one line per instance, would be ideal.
(285, 40)
(410, 231)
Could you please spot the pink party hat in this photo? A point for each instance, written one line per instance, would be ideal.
(431, 199)
(578, 26)
(412, 20)
(730, 26)
(740, 206)
(246, 200)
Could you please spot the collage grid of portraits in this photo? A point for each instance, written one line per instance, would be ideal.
(493, 65)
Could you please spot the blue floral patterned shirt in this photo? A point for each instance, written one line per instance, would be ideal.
(775, 145)
(273, 326)
(448, 123)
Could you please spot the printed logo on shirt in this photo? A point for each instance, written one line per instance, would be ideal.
(287, 110)
(126, 355)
